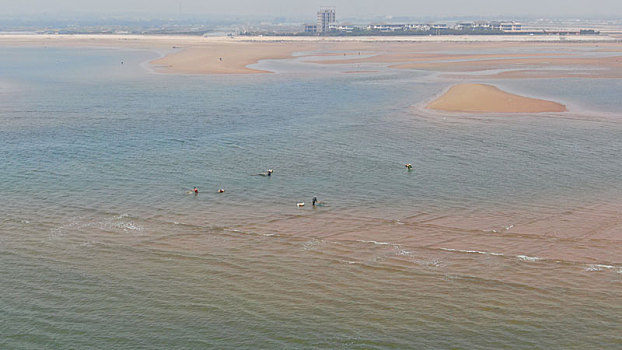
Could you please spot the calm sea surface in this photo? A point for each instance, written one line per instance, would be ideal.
(506, 234)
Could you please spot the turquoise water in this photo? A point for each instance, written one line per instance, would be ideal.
(505, 235)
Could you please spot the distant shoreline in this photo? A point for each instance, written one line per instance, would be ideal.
(12, 36)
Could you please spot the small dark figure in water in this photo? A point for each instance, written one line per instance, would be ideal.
(409, 166)
(222, 190)
(267, 173)
(195, 190)
(316, 203)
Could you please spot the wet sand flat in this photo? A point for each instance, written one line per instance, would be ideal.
(487, 98)
(224, 58)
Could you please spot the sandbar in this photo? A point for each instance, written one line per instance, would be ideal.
(484, 98)
(223, 58)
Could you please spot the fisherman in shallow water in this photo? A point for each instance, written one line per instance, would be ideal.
(316, 203)
(195, 190)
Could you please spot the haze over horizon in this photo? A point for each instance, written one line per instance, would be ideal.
(345, 8)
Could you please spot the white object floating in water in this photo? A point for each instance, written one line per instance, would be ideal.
(300, 204)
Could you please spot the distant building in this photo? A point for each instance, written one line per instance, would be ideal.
(482, 25)
(326, 22)
(506, 26)
(464, 26)
(409, 27)
(325, 18)
(310, 28)
(388, 27)
(342, 28)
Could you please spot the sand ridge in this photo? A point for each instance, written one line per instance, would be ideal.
(223, 58)
(484, 98)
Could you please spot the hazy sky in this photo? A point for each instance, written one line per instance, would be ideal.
(345, 8)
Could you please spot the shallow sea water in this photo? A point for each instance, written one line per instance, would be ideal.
(505, 235)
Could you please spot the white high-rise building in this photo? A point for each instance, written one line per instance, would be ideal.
(325, 17)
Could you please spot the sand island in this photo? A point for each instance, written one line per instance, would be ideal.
(223, 57)
(488, 99)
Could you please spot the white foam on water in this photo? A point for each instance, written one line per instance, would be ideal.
(251, 233)
(79, 224)
(430, 263)
(528, 258)
(399, 251)
(313, 244)
(129, 226)
(125, 226)
(601, 267)
(376, 242)
(471, 251)
(403, 252)
(507, 228)
(58, 232)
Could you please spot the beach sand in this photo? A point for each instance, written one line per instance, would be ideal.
(515, 57)
(224, 58)
(205, 58)
(522, 60)
(487, 98)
